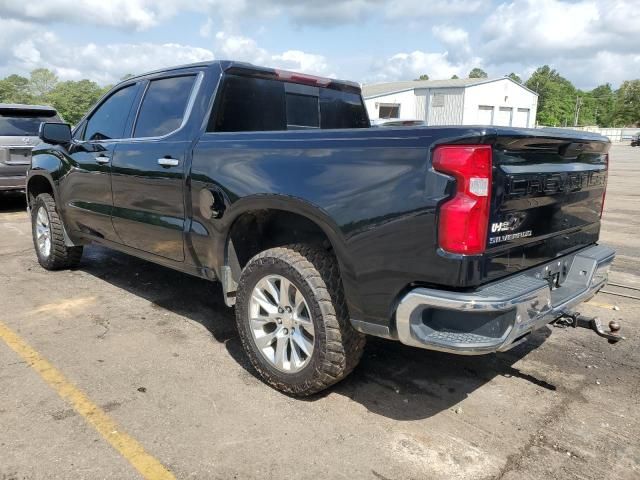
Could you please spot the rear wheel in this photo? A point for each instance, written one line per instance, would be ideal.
(293, 321)
(48, 236)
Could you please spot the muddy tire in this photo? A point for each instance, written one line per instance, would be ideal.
(48, 236)
(293, 321)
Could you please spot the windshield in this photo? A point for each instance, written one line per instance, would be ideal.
(26, 123)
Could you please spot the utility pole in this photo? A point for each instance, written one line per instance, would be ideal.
(577, 116)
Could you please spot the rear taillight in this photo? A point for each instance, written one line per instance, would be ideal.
(604, 194)
(464, 219)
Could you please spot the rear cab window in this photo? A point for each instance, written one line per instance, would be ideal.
(16, 122)
(249, 104)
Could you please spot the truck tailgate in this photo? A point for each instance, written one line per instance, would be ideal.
(547, 197)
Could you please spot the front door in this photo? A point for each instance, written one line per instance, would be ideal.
(148, 171)
(88, 200)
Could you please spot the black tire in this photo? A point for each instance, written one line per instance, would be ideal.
(337, 345)
(60, 256)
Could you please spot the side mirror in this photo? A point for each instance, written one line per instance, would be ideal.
(55, 133)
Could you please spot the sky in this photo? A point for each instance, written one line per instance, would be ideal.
(590, 42)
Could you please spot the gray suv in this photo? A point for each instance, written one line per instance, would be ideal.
(19, 126)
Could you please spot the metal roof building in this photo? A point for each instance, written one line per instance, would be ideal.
(464, 101)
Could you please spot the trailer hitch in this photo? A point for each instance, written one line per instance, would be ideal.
(576, 320)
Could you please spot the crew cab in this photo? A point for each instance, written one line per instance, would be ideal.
(320, 229)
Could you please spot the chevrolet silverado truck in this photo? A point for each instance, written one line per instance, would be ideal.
(321, 229)
(19, 126)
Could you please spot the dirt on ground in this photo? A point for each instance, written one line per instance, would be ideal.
(158, 352)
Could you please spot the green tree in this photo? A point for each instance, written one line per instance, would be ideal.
(602, 99)
(41, 82)
(627, 104)
(424, 76)
(477, 73)
(127, 77)
(455, 77)
(557, 97)
(15, 89)
(73, 99)
(515, 77)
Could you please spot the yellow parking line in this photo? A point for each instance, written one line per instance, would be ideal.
(129, 448)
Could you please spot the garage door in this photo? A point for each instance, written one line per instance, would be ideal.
(504, 116)
(485, 115)
(521, 119)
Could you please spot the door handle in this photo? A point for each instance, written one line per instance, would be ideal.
(102, 159)
(168, 162)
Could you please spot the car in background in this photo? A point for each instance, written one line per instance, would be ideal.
(635, 140)
(19, 125)
(385, 122)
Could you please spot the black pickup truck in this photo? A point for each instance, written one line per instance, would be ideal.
(321, 229)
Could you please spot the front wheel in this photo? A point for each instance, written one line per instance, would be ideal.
(48, 236)
(293, 321)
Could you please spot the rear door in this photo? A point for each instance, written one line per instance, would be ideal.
(148, 170)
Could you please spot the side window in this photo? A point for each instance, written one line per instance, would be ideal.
(109, 120)
(249, 105)
(164, 106)
(78, 134)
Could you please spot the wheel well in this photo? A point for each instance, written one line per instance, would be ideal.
(259, 230)
(36, 186)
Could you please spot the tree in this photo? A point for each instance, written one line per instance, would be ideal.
(41, 82)
(455, 77)
(14, 89)
(127, 77)
(424, 76)
(602, 99)
(557, 97)
(515, 77)
(478, 73)
(627, 104)
(73, 99)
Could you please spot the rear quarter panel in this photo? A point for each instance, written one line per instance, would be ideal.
(371, 190)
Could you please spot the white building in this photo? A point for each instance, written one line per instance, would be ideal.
(464, 101)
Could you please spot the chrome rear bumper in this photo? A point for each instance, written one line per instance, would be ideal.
(500, 315)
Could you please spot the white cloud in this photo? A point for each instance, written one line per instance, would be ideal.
(403, 9)
(205, 29)
(144, 14)
(455, 39)
(302, 62)
(103, 64)
(588, 41)
(137, 14)
(238, 47)
(407, 66)
(108, 63)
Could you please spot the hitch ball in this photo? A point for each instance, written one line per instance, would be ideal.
(614, 326)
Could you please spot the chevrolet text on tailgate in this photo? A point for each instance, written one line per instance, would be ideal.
(321, 229)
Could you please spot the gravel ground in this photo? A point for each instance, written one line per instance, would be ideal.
(157, 350)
